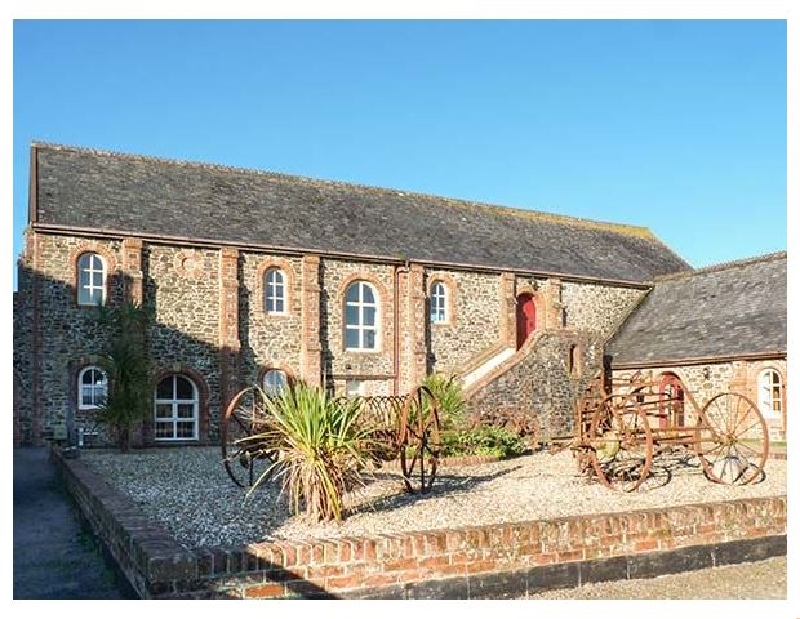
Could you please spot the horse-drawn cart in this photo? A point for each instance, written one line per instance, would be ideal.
(405, 427)
(623, 427)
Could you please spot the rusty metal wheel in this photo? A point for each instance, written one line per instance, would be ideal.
(420, 441)
(732, 440)
(243, 453)
(623, 444)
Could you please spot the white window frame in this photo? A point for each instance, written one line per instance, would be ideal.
(766, 398)
(270, 294)
(354, 387)
(174, 419)
(91, 270)
(90, 368)
(439, 302)
(270, 389)
(361, 305)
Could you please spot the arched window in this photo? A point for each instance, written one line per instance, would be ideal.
(176, 409)
(92, 388)
(439, 302)
(770, 394)
(275, 291)
(275, 381)
(91, 282)
(361, 317)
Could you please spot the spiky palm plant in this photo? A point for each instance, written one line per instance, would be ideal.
(450, 399)
(322, 449)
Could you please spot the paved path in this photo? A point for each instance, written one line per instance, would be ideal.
(762, 580)
(54, 558)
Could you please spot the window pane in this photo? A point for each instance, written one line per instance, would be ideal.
(97, 279)
(97, 264)
(185, 429)
(95, 296)
(186, 411)
(269, 303)
(84, 261)
(84, 298)
(83, 279)
(88, 394)
(368, 296)
(185, 391)
(438, 289)
(369, 316)
(274, 276)
(352, 293)
(163, 411)
(164, 389)
(279, 306)
(354, 388)
(369, 338)
(279, 291)
(164, 430)
(351, 340)
(351, 316)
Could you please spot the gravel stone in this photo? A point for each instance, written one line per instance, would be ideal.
(188, 491)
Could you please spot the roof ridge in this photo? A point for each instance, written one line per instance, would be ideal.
(619, 228)
(723, 266)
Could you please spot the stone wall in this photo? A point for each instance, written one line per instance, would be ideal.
(210, 324)
(269, 340)
(474, 310)
(597, 308)
(181, 286)
(704, 381)
(67, 334)
(539, 382)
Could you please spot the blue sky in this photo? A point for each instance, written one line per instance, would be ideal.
(679, 126)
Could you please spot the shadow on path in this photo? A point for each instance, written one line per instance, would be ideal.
(54, 556)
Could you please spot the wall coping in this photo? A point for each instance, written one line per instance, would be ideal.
(159, 567)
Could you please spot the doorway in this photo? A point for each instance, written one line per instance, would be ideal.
(526, 318)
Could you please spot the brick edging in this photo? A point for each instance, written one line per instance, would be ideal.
(422, 563)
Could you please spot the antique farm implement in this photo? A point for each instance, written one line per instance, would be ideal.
(405, 427)
(624, 429)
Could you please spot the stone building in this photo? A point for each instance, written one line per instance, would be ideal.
(267, 278)
(710, 331)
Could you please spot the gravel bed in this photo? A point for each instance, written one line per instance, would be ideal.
(189, 492)
(760, 580)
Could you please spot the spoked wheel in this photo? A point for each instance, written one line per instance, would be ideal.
(731, 440)
(623, 444)
(420, 442)
(243, 453)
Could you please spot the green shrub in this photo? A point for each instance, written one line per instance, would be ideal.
(482, 441)
(322, 448)
(129, 373)
(450, 397)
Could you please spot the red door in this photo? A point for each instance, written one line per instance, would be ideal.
(671, 401)
(526, 318)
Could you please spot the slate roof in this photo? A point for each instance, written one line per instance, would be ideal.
(732, 309)
(79, 187)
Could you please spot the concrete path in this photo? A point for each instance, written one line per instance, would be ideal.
(54, 557)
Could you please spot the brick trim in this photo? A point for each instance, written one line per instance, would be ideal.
(288, 270)
(752, 389)
(384, 307)
(109, 264)
(203, 418)
(587, 548)
(539, 302)
(291, 375)
(452, 292)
